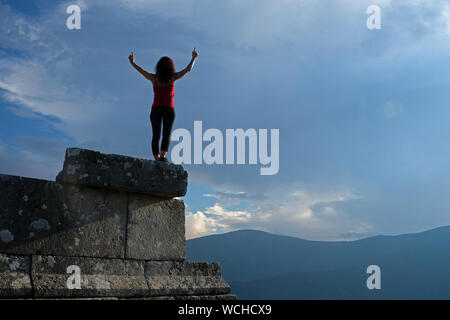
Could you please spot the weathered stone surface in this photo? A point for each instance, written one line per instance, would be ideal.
(102, 207)
(44, 217)
(155, 228)
(99, 277)
(15, 276)
(175, 278)
(95, 169)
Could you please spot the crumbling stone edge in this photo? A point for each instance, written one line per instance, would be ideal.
(30, 292)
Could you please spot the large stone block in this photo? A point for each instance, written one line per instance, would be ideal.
(98, 277)
(15, 276)
(155, 228)
(95, 169)
(43, 217)
(175, 278)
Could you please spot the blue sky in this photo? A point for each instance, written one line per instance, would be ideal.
(363, 114)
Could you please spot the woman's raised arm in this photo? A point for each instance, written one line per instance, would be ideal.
(146, 74)
(181, 74)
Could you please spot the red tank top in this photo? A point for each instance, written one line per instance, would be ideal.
(163, 95)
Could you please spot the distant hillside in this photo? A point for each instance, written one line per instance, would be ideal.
(261, 265)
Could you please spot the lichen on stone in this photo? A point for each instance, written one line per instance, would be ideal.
(6, 236)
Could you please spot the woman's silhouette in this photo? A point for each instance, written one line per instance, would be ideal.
(163, 108)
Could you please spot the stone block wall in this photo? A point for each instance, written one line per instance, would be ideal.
(115, 220)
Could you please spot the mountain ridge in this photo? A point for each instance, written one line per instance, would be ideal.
(446, 227)
(259, 264)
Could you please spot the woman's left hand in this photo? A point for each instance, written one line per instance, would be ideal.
(131, 58)
(194, 53)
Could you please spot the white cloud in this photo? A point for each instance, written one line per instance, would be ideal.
(214, 219)
(23, 112)
(16, 31)
(29, 84)
(199, 225)
(303, 214)
(196, 225)
(446, 18)
(219, 211)
(268, 24)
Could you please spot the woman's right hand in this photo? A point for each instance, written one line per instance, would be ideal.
(131, 58)
(194, 53)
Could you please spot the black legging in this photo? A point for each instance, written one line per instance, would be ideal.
(166, 115)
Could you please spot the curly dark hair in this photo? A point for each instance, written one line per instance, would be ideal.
(165, 68)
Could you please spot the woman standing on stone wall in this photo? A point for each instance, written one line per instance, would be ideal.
(163, 108)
